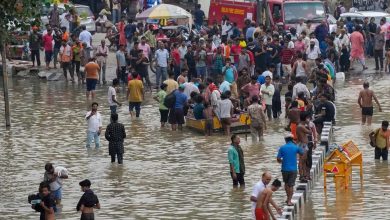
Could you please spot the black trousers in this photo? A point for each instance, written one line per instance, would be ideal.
(119, 156)
(35, 56)
(66, 67)
(381, 153)
(240, 179)
(76, 68)
(378, 54)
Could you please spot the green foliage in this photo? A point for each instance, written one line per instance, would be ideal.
(17, 14)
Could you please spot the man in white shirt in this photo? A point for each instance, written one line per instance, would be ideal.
(269, 72)
(190, 87)
(258, 188)
(101, 59)
(301, 26)
(225, 86)
(300, 87)
(65, 22)
(112, 101)
(312, 53)
(344, 38)
(162, 56)
(267, 91)
(94, 121)
(182, 51)
(86, 37)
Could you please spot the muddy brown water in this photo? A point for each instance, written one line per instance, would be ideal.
(167, 175)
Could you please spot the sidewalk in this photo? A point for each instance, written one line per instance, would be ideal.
(111, 61)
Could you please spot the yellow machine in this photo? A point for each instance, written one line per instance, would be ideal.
(240, 123)
(339, 164)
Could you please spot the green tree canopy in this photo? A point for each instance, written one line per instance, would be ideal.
(15, 14)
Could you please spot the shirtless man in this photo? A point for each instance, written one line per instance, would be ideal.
(263, 209)
(293, 115)
(302, 142)
(365, 103)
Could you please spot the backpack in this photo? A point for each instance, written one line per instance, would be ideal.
(170, 100)
(350, 27)
(373, 135)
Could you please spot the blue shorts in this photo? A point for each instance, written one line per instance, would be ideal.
(91, 84)
(201, 71)
(57, 194)
(48, 56)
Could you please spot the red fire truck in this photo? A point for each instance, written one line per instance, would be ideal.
(269, 12)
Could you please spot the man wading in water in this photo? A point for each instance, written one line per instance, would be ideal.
(236, 161)
(87, 202)
(365, 103)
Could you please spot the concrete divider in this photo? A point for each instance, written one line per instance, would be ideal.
(302, 190)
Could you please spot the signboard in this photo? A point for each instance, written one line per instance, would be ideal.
(364, 5)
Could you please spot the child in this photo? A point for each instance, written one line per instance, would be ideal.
(47, 203)
(160, 97)
(208, 115)
(88, 201)
(262, 211)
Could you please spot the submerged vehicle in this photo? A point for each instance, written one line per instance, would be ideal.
(239, 123)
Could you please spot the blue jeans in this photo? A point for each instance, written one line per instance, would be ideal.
(93, 136)
(116, 14)
(201, 71)
(137, 106)
(113, 109)
(56, 51)
(278, 68)
(161, 72)
(102, 73)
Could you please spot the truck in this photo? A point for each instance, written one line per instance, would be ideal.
(267, 12)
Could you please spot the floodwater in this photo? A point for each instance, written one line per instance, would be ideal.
(165, 175)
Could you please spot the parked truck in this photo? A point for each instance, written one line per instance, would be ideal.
(268, 12)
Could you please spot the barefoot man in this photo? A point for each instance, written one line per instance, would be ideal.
(365, 103)
(263, 209)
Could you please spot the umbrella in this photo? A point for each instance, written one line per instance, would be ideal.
(164, 11)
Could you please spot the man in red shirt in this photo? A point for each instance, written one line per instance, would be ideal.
(287, 56)
(235, 51)
(176, 59)
(252, 62)
(48, 46)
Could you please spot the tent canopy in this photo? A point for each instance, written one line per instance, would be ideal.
(164, 11)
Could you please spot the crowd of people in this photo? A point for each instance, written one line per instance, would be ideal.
(223, 71)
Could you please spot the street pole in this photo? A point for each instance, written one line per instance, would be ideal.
(5, 83)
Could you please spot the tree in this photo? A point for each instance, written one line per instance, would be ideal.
(14, 15)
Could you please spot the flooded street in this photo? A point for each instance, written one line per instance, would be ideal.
(167, 175)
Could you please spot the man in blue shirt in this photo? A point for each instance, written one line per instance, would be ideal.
(199, 16)
(236, 161)
(287, 156)
(176, 114)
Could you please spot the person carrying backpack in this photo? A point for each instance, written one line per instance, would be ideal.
(380, 141)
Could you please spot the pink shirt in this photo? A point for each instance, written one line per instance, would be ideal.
(47, 42)
(252, 89)
(145, 48)
(299, 46)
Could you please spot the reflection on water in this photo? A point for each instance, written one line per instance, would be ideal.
(165, 175)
